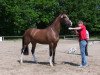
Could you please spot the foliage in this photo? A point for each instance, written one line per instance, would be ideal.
(18, 15)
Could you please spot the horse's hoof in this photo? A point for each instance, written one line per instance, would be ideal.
(51, 65)
(21, 62)
(34, 62)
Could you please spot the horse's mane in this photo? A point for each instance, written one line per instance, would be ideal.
(54, 21)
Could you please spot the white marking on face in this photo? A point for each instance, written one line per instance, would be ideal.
(62, 16)
(67, 17)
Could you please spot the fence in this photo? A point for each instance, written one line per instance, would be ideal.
(2, 38)
(16, 37)
(70, 37)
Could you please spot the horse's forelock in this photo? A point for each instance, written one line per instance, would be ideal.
(64, 16)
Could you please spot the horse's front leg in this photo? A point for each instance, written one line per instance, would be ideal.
(21, 58)
(50, 54)
(54, 49)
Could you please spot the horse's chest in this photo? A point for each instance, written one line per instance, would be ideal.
(54, 34)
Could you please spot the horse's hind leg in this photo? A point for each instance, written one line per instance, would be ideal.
(33, 51)
(25, 42)
(21, 58)
(22, 51)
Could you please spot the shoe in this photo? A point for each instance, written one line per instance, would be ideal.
(80, 66)
(83, 66)
(86, 65)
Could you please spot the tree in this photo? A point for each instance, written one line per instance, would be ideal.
(18, 15)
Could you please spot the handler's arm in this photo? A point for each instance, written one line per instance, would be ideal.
(76, 32)
(76, 28)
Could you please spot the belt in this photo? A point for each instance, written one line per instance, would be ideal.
(83, 39)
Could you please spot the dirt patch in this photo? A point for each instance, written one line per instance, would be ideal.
(66, 64)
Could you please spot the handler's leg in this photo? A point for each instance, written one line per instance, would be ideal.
(86, 49)
(82, 49)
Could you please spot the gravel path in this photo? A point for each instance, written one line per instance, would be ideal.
(66, 64)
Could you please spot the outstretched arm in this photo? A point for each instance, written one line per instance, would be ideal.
(76, 28)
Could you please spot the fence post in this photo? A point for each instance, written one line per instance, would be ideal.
(64, 37)
(1, 39)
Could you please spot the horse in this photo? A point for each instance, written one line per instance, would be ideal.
(49, 35)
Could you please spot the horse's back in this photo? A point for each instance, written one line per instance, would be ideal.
(28, 31)
(35, 33)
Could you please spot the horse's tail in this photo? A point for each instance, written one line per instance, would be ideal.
(25, 49)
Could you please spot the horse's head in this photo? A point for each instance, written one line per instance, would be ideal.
(65, 19)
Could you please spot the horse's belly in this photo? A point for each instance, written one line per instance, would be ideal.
(45, 41)
(42, 42)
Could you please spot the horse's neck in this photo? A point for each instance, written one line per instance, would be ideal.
(56, 25)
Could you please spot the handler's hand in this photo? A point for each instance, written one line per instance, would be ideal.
(70, 28)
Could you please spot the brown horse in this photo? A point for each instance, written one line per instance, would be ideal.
(49, 35)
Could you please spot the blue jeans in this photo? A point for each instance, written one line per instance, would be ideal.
(82, 50)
